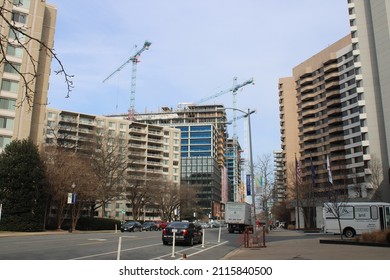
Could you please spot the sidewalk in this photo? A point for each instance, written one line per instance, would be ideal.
(308, 249)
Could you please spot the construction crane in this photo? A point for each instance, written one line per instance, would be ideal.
(234, 89)
(134, 59)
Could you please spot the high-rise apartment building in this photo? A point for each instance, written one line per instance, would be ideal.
(343, 111)
(18, 118)
(319, 84)
(151, 150)
(370, 32)
(289, 132)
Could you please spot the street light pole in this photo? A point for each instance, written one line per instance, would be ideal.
(252, 173)
(72, 225)
(248, 114)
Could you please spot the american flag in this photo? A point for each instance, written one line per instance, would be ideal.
(298, 172)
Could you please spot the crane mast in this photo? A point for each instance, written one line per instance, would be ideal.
(134, 59)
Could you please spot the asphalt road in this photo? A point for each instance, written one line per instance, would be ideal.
(104, 246)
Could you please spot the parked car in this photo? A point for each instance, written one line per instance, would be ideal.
(149, 226)
(131, 226)
(187, 233)
(161, 225)
(204, 225)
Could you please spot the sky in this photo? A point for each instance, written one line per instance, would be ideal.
(198, 48)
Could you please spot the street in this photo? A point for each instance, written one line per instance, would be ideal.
(104, 246)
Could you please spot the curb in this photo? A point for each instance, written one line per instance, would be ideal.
(347, 242)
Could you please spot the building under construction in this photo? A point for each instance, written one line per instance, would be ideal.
(203, 150)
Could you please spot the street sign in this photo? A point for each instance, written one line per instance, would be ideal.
(70, 198)
(123, 211)
(174, 230)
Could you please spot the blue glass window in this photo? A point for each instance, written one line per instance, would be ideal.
(200, 141)
(200, 134)
(201, 128)
(183, 128)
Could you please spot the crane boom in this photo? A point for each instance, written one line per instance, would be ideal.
(233, 89)
(134, 60)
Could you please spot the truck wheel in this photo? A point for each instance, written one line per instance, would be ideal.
(349, 232)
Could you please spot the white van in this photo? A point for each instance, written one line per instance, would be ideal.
(356, 217)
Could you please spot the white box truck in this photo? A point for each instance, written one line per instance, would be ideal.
(238, 216)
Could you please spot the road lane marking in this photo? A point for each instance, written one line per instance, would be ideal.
(97, 239)
(200, 251)
(193, 248)
(115, 252)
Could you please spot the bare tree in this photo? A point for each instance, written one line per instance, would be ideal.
(109, 163)
(336, 204)
(376, 177)
(22, 39)
(168, 200)
(264, 168)
(141, 190)
(188, 201)
(63, 168)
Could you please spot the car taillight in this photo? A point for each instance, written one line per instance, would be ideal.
(164, 231)
(184, 231)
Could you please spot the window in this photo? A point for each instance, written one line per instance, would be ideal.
(200, 128)
(8, 104)
(13, 68)
(16, 35)
(4, 141)
(19, 17)
(362, 212)
(14, 51)
(6, 123)
(51, 115)
(22, 3)
(51, 124)
(100, 123)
